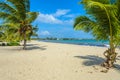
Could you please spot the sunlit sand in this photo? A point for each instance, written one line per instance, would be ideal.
(54, 61)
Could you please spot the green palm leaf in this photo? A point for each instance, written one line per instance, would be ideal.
(103, 23)
(17, 19)
(31, 16)
(84, 23)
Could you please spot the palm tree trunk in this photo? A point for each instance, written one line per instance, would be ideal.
(110, 54)
(25, 41)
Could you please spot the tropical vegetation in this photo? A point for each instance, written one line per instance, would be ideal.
(103, 21)
(17, 20)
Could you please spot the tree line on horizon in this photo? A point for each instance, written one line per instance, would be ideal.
(103, 21)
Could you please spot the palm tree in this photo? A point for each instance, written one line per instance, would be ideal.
(12, 32)
(18, 13)
(117, 40)
(1, 33)
(102, 22)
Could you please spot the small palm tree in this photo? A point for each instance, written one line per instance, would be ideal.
(18, 13)
(102, 23)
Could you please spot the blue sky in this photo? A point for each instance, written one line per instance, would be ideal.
(56, 18)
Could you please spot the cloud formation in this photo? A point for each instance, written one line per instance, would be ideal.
(54, 18)
(44, 33)
(61, 12)
(48, 18)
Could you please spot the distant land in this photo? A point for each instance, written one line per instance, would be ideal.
(54, 38)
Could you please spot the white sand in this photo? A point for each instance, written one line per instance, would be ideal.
(53, 61)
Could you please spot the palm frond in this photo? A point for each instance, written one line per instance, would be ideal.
(84, 23)
(100, 1)
(27, 5)
(8, 17)
(17, 19)
(4, 15)
(19, 6)
(6, 8)
(31, 16)
(104, 19)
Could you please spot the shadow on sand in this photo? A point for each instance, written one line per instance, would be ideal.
(36, 47)
(28, 47)
(91, 60)
(117, 66)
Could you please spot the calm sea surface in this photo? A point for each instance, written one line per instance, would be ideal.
(89, 42)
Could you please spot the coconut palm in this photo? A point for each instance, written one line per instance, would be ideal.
(12, 32)
(117, 40)
(103, 23)
(1, 33)
(18, 13)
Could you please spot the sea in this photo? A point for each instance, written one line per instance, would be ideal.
(88, 42)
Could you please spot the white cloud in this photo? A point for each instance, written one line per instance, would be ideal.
(44, 33)
(57, 18)
(48, 18)
(61, 12)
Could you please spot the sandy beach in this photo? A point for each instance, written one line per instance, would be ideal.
(54, 61)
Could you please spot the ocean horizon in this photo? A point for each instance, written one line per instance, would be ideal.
(88, 42)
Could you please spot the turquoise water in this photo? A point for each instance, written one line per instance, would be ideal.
(89, 42)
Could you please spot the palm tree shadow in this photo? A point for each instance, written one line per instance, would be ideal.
(36, 47)
(91, 60)
(117, 67)
(31, 44)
